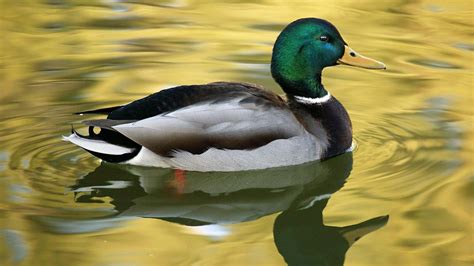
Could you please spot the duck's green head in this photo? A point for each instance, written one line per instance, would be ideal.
(304, 48)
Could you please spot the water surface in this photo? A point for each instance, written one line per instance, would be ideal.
(412, 123)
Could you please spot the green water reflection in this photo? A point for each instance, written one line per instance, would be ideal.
(213, 200)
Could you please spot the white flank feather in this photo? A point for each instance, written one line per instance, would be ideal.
(148, 158)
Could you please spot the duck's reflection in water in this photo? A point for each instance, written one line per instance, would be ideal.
(300, 193)
(303, 239)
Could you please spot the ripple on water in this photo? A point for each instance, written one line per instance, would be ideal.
(54, 26)
(160, 3)
(39, 165)
(464, 46)
(268, 27)
(247, 57)
(406, 149)
(16, 244)
(434, 63)
(165, 45)
(134, 22)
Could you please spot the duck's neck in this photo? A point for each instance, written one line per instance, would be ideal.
(330, 116)
(308, 92)
(308, 88)
(313, 87)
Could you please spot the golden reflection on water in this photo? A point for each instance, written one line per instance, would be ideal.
(413, 122)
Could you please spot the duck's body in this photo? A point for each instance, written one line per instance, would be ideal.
(229, 126)
(218, 127)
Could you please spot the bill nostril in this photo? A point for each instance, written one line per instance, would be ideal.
(352, 54)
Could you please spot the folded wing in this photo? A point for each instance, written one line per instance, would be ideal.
(170, 127)
(239, 124)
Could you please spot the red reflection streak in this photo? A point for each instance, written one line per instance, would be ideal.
(180, 180)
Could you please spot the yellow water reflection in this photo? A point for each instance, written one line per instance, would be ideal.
(412, 122)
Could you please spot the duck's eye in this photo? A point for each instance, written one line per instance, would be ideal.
(324, 38)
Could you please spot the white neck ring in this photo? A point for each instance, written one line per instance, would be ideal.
(307, 100)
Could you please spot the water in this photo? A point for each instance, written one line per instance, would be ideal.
(412, 124)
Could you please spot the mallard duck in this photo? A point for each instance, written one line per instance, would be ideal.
(227, 126)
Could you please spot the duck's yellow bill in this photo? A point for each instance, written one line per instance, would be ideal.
(352, 58)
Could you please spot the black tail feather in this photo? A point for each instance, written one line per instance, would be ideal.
(112, 137)
(102, 111)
